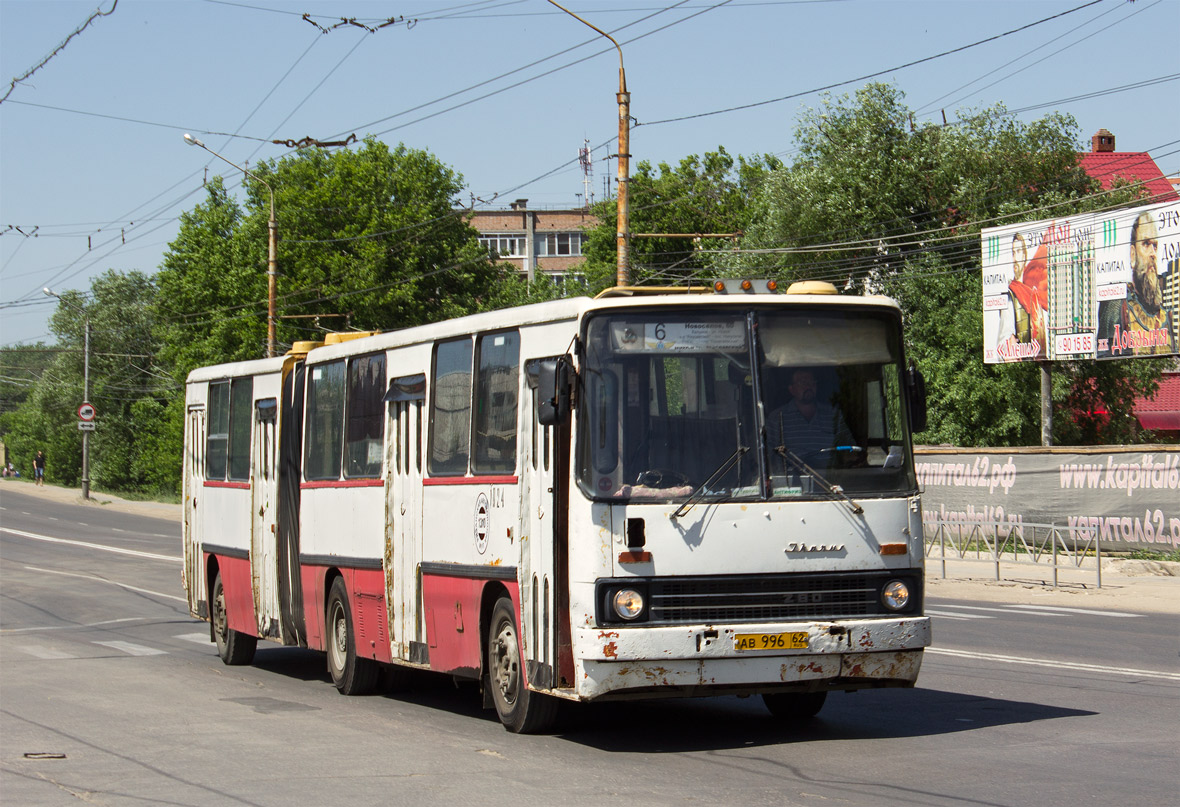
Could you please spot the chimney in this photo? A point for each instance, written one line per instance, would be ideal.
(1102, 142)
(521, 204)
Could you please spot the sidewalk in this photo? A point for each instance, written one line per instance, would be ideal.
(57, 493)
(1127, 585)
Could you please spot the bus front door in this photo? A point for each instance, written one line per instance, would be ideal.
(543, 575)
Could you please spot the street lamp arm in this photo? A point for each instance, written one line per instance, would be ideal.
(622, 74)
(272, 264)
(192, 141)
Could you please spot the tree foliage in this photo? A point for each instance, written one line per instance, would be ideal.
(700, 195)
(876, 203)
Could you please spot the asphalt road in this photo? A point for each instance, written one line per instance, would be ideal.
(110, 694)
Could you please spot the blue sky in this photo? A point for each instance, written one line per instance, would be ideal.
(94, 171)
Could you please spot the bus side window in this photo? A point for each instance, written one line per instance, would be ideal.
(217, 437)
(496, 403)
(241, 414)
(365, 431)
(324, 435)
(450, 408)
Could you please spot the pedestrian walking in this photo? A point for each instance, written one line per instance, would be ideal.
(39, 468)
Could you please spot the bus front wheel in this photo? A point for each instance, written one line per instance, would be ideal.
(350, 674)
(234, 647)
(520, 709)
(795, 705)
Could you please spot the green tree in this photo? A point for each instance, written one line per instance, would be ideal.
(122, 351)
(368, 239)
(706, 194)
(876, 203)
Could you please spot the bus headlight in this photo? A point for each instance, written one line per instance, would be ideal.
(895, 595)
(628, 604)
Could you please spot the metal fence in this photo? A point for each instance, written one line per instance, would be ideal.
(1047, 547)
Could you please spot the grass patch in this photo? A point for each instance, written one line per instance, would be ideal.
(1172, 555)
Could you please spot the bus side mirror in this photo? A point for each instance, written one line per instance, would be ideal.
(915, 387)
(553, 390)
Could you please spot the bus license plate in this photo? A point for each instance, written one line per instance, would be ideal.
(796, 640)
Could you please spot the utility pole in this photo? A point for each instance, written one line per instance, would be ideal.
(85, 387)
(623, 237)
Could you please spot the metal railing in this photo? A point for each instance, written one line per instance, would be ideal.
(1045, 546)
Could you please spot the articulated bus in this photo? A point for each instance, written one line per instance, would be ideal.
(632, 496)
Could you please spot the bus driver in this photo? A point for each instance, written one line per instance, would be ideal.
(805, 424)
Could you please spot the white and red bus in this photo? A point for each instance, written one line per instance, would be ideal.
(638, 495)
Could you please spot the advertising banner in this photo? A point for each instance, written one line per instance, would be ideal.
(1099, 285)
(1125, 498)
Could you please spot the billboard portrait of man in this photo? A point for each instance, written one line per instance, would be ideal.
(1140, 324)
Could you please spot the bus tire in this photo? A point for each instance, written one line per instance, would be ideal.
(520, 709)
(350, 674)
(234, 647)
(794, 705)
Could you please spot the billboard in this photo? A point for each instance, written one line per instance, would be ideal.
(1097, 285)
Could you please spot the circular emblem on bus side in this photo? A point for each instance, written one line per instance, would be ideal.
(481, 523)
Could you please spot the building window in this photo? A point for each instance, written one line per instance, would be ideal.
(504, 245)
(567, 280)
(556, 244)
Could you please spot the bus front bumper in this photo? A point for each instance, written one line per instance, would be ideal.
(704, 659)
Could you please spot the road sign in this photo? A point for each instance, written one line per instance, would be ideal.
(86, 425)
(86, 412)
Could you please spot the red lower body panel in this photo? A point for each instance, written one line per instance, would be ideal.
(239, 593)
(366, 601)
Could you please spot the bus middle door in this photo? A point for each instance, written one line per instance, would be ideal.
(264, 484)
(403, 517)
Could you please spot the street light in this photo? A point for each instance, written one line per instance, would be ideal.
(85, 389)
(272, 271)
(623, 239)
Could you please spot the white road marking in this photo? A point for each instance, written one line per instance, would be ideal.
(112, 582)
(74, 627)
(1057, 665)
(104, 547)
(951, 615)
(46, 653)
(1076, 610)
(196, 638)
(133, 649)
(982, 608)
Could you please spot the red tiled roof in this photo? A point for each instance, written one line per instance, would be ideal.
(1162, 410)
(1133, 166)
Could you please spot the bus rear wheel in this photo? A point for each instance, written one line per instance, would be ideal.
(234, 647)
(350, 674)
(520, 709)
(795, 705)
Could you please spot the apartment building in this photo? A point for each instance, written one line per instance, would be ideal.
(536, 240)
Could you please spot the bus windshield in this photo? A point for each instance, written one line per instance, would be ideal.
(742, 404)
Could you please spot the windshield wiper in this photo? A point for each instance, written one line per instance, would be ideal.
(833, 490)
(698, 494)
